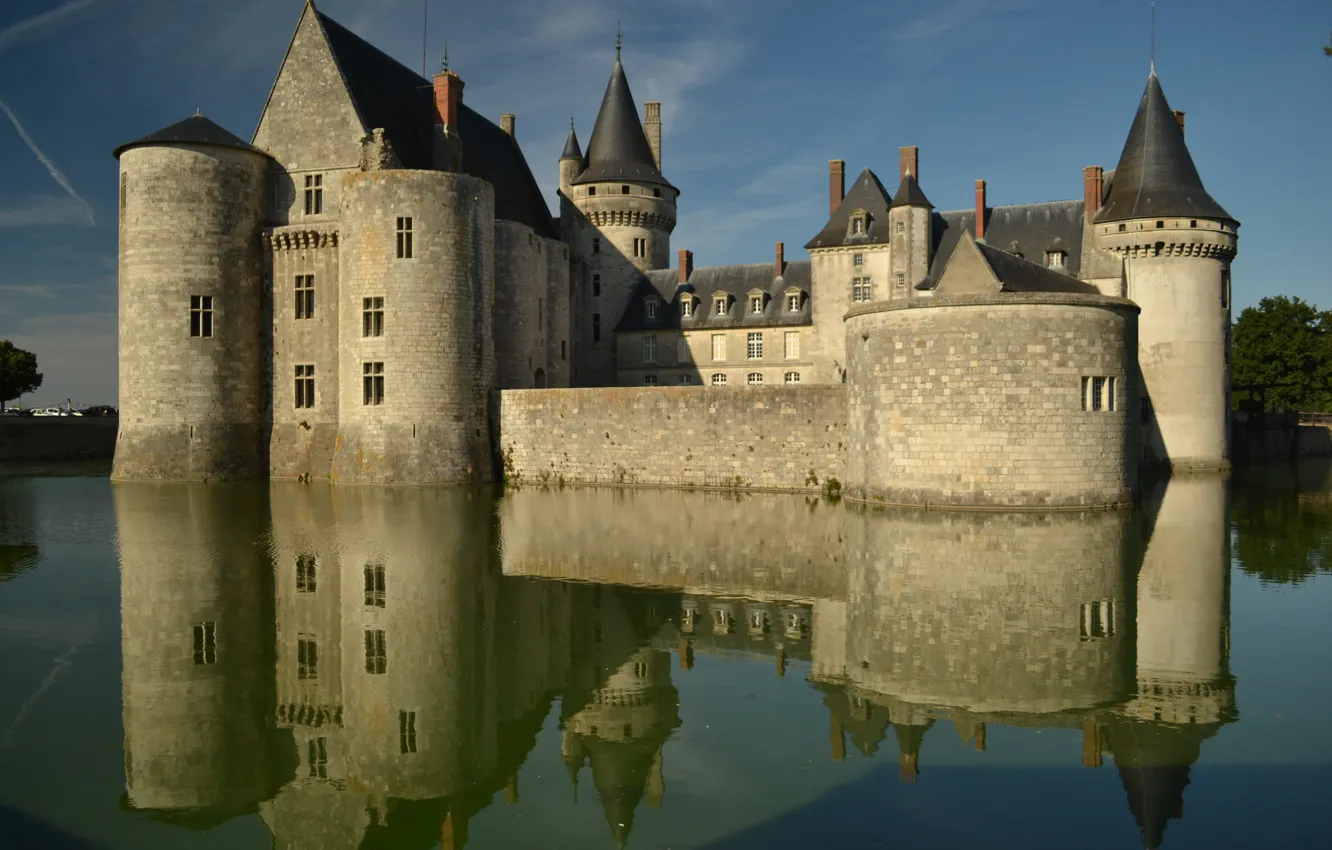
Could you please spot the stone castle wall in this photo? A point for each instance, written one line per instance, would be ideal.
(520, 305)
(559, 294)
(977, 401)
(764, 438)
(437, 349)
(190, 406)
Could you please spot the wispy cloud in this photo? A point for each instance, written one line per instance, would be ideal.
(56, 173)
(45, 211)
(34, 26)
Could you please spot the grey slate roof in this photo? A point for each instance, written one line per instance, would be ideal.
(909, 194)
(618, 148)
(1019, 275)
(1026, 229)
(1156, 176)
(572, 150)
(387, 94)
(737, 281)
(195, 130)
(867, 194)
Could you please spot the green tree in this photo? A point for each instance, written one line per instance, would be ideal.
(18, 372)
(1285, 344)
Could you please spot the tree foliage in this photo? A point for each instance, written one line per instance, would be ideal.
(18, 372)
(1281, 517)
(1286, 345)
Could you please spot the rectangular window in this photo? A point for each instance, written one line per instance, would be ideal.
(376, 652)
(718, 347)
(901, 227)
(596, 327)
(1098, 393)
(1225, 289)
(649, 349)
(640, 247)
(651, 309)
(404, 237)
(564, 349)
(307, 658)
(317, 757)
(1054, 259)
(1097, 619)
(541, 314)
(372, 317)
(596, 285)
(649, 380)
(687, 307)
(306, 573)
(860, 289)
(792, 377)
(754, 379)
(793, 303)
(719, 380)
(720, 305)
(682, 352)
(205, 643)
(857, 259)
(899, 281)
(596, 243)
(792, 345)
(305, 389)
(755, 346)
(372, 378)
(314, 194)
(686, 379)
(407, 731)
(591, 192)
(124, 190)
(624, 190)
(305, 296)
(756, 304)
(201, 316)
(374, 585)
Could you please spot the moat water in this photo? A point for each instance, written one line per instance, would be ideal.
(302, 666)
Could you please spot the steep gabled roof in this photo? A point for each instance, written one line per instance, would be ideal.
(618, 148)
(909, 194)
(1016, 274)
(867, 194)
(1156, 176)
(195, 130)
(1028, 230)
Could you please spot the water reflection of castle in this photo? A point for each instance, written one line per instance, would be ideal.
(352, 665)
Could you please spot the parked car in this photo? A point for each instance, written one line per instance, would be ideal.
(46, 411)
(100, 410)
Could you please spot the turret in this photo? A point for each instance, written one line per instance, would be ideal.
(1177, 244)
(572, 162)
(192, 199)
(909, 220)
(626, 212)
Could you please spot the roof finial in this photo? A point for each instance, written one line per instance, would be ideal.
(570, 122)
(446, 57)
(617, 41)
(1153, 38)
(198, 111)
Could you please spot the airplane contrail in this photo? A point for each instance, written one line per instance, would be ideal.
(14, 33)
(56, 173)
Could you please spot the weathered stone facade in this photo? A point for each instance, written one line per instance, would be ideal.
(985, 401)
(764, 439)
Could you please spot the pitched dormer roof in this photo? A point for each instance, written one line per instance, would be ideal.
(618, 148)
(1156, 176)
(867, 194)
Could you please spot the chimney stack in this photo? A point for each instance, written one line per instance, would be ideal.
(1179, 119)
(836, 184)
(781, 258)
(910, 158)
(652, 128)
(686, 265)
(506, 123)
(980, 209)
(448, 99)
(1093, 187)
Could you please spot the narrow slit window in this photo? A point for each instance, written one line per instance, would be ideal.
(373, 381)
(596, 327)
(404, 237)
(201, 316)
(305, 386)
(372, 317)
(649, 349)
(651, 309)
(407, 731)
(596, 285)
(376, 652)
(305, 302)
(596, 243)
(205, 643)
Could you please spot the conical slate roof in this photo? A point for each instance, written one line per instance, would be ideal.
(195, 130)
(1156, 177)
(571, 148)
(867, 194)
(909, 194)
(618, 149)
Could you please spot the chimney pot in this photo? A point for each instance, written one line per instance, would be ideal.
(686, 267)
(506, 123)
(836, 184)
(781, 258)
(980, 209)
(1093, 187)
(1179, 119)
(910, 162)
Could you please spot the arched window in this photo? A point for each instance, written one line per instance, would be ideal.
(719, 380)
(792, 377)
(754, 379)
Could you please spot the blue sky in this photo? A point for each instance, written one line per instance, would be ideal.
(757, 96)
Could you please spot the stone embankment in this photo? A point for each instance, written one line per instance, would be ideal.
(57, 438)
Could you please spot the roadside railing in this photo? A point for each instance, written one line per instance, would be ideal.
(1315, 419)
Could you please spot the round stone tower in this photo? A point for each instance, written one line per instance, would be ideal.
(624, 215)
(192, 199)
(1177, 244)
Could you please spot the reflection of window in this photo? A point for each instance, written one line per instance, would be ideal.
(640, 669)
(376, 651)
(317, 757)
(306, 569)
(407, 731)
(374, 585)
(205, 643)
(307, 658)
(1097, 619)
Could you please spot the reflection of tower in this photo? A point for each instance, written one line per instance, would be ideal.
(1185, 693)
(196, 635)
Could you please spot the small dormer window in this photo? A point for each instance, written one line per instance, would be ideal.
(686, 307)
(719, 305)
(756, 304)
(651, 309)
(793, 303)
(1054, 259)
(858, 226)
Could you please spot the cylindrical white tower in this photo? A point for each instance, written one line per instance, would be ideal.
(1177, 244)
(192, 199)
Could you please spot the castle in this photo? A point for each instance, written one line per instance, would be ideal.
(352, 294)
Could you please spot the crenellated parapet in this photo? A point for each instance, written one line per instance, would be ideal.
(629, 218)
(299, 237)
(1193, 238)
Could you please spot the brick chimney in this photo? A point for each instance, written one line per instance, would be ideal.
(506, 123)
(910, 158)
(781, 258)
(1093, 187)
(448, 99)
(836, 184)
(686, 265)
(1179, 119)
(980, 209)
